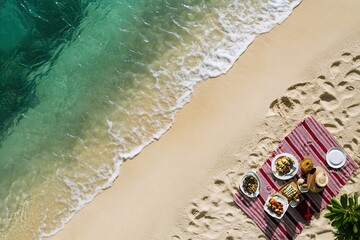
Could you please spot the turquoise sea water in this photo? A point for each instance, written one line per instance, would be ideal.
(85, 85)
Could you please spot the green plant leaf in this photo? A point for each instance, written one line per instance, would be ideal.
(336, 224)
(357, 208)
(339, 217)
(356, 198)
(335, 203)
(339, 210)
(345, 217)
(351, 202)
(343, 200)
(331, 215)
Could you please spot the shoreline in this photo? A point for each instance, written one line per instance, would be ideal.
(149, 197)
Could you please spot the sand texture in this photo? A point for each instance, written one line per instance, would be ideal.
(182, 186)
(333, 98)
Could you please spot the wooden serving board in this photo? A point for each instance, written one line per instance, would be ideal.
(294, 184)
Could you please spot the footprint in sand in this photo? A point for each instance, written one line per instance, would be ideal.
(219, 186)
(352, 147)
(353, 75)
(354, 110)
(229, 217)
(346, 57)
(335, 70)
(328, 101)
(356, 60)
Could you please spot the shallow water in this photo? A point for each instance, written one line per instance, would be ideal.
(87, 84)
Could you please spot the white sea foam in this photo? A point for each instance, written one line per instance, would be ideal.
(239, 24)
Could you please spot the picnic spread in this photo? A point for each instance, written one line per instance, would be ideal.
(308, 168)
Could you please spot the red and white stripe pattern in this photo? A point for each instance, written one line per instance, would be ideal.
(308, 139)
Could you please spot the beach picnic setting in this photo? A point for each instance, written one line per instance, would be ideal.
(308, 168)
(179, 120)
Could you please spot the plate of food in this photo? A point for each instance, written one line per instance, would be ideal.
(276, 205)
(250, 184)
(284, 166)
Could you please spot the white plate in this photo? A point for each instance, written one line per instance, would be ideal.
(282, 200)
(256, 193)
(293, 171)
(335, 157)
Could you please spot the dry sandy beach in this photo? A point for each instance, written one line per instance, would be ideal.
(181, 186)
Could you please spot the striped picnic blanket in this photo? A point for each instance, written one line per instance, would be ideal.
(311, 139)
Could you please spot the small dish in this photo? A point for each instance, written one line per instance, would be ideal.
(280, 198)
(336, 157)
(293, 170)
(294, 204)
(302, 189)
(243, 177)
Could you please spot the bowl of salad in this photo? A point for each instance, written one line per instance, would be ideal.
(250, 184)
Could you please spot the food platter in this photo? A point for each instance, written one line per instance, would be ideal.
(247, 184)
(284, 166)
(335, 157)
(278, 199)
